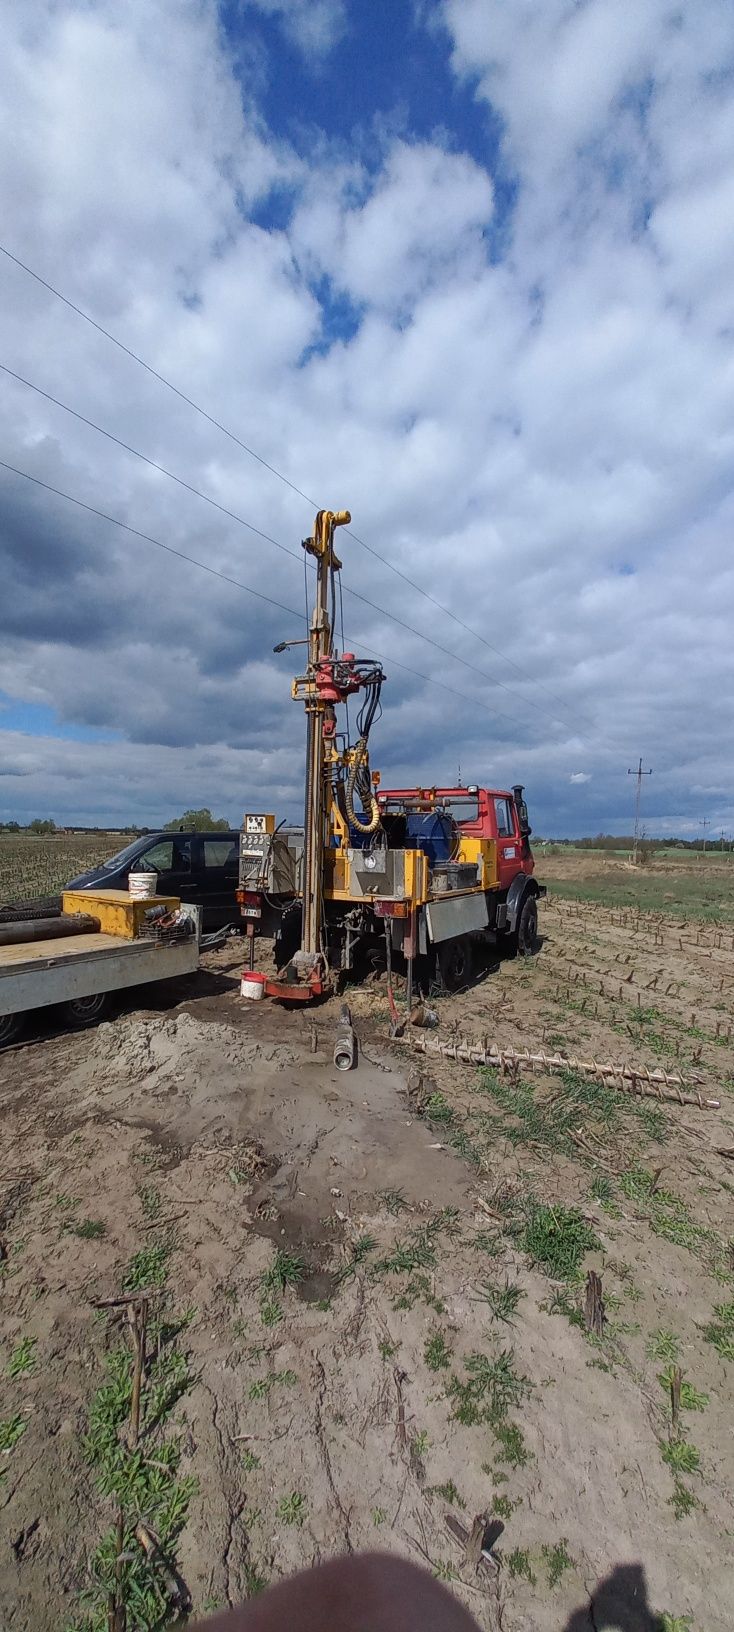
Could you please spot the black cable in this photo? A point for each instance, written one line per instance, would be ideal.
(285, 479)
(81, 504)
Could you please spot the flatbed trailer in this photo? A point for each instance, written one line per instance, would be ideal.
(82, 972)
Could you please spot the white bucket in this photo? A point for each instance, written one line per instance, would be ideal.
(252, 985)
(140, 886)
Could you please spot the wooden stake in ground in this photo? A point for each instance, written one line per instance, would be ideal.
(138, 1317)
(176, 1587)
(594, 1308)
(676, 1380)
(136, 1304)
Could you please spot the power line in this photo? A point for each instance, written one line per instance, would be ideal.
(169, 548)
(282, 478)
(267, 537)
(214, 572)
(162, 471)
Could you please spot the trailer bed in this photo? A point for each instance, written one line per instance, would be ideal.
(39, 973)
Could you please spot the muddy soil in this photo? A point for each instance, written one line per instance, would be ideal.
(348, 1411)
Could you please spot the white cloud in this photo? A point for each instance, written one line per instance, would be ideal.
(315, 26)
(543, 439)
(419, 224)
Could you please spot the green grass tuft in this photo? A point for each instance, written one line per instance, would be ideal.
(720, 1331)
(489, 1390)
(669, 1217)
(557, 1560)
(287, 1269)
(22, 1362)
(148, 1267)
(682, 1500)
(450, 1494)
(292, 1509)
(663, 1345)
(438, 1110)
(518, 1564)
(512, 1448)
(680, 1456)
(504, 1507)
(557, 1238)
(89, 1229)
(437, 1353)
(502, 1300)
(11, 1430)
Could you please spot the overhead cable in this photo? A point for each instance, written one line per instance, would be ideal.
(233, 515)
(237, 583)
(274, 471)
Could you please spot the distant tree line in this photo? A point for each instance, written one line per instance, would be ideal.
(200, 821)
(625, 841)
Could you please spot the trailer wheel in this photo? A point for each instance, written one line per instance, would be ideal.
(11, 1026)
(527, 928)
(455, 962)
(86, 1011)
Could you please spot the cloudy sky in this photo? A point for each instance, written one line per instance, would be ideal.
(465, 267)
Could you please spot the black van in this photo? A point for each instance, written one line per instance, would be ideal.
(199, 867)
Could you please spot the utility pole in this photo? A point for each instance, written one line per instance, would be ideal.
(639, 773)
(704, 823)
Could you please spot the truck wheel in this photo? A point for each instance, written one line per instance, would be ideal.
(86, 1011)
(455, 961)
(527, 928)
(11, 1026)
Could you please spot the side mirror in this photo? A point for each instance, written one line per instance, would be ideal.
(522, 810)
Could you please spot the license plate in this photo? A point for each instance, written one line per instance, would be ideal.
(251, 912)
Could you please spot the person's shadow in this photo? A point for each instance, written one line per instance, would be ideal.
(620, 1601)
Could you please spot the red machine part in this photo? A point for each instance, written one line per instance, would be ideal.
(286, 991)
(496, 818)
(336, 678)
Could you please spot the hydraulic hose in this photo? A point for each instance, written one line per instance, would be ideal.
(360, 765)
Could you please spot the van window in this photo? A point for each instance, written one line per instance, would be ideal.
(505, 824)
(167, 856)
(220, 852)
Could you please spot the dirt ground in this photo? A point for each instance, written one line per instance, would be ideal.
(425, 1359)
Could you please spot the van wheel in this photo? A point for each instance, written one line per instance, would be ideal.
(455, 962)
(11, 1026)
(86, 1011)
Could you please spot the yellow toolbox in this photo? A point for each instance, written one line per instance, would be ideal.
(117, 912)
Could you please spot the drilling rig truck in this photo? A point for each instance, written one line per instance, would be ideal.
(427, 872)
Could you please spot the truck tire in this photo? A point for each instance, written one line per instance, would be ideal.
(527, 928)
(11, 1026)
(86, 1011)
(455, 960)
